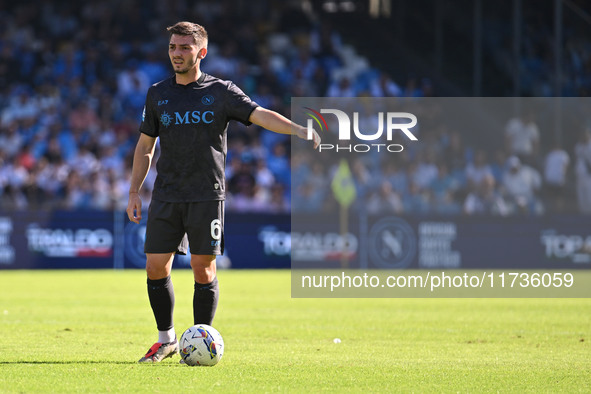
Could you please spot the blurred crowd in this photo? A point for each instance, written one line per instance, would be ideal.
(73, 80)
(537, 69)
(443, 175)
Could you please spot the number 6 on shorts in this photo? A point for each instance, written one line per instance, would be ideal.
(216, 229)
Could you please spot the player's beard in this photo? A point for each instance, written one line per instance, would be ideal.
(189, 67)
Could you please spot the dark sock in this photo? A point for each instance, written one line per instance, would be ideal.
(205, 302)
(161, 294)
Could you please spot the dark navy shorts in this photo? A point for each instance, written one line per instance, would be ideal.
(177, 226)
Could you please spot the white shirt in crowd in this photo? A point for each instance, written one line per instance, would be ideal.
(522, 183)
(555, 167)
(522, 136)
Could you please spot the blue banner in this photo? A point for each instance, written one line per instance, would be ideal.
(57, 239)
(399, 242)
(106, 239)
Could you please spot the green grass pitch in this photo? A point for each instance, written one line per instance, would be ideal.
(83, 331)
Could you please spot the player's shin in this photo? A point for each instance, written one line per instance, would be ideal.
(205, 302)
(161, 295)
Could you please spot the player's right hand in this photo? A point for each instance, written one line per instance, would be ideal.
(134, 207)
(302, 132)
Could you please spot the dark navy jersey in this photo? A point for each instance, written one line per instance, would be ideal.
(191, 122)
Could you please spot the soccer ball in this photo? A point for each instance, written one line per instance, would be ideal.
(201, 345)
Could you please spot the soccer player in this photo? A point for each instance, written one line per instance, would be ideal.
(189, 112)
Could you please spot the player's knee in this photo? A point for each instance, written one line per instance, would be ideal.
(150, 271)
(204, 268)
(158, 267)
(202, 262)
(155, 272)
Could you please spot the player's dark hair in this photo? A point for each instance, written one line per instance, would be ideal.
(189, 29)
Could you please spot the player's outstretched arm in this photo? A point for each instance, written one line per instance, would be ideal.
(278, 123)
(142, 159)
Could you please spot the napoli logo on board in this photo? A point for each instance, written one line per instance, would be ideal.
(393, 243)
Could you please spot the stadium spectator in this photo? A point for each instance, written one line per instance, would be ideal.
(311, 190)
(307, 199)
(520, 184)
(395, 175)
(417, 200)
(485, 200)
(454, 154)
(22, 105)
(497, 166)
(83, 118)
(445, 185)
(555, 177)
(412, 87)
(11, 140)
(384, 86)
(477, 170)
(278, 163)
(101, 193)
(25, 158)
(245, 195)
(13, 198)
(278, 203)
(304, 65)
(341, 87)
(84, 162)
(523, 137)
(77, 192)
(364, 182)
(583, 172)
(109, 158)
(384, 201)
(424, 171)
(263, 175)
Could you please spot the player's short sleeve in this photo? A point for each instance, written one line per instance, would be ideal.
(149, 123)
(238, 105)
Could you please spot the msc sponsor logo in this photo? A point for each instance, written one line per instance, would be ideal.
(165, 119)
(188, 117)
(193, 117)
